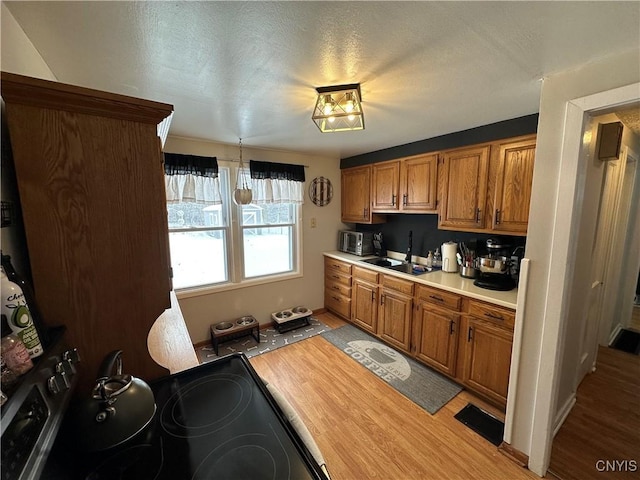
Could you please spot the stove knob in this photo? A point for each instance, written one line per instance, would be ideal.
(71, 355)
(65, 367)
(58, 383)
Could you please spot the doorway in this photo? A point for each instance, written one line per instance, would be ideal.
(615, 257)
(554, 391)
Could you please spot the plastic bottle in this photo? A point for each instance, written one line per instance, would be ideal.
(14, 352)
(15, 308)
(437, 259)
(430, 259)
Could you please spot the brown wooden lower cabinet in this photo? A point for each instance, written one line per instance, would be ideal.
(437, 337)
(364, 309)
(465, 339)
(487, 358)
(337, 287)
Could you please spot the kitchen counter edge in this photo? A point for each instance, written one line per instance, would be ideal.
(451, 282)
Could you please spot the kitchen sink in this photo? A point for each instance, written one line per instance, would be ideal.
(384, 262)
(397, 265)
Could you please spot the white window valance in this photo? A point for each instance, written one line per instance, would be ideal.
(271, 190)
(193, 188)
(276, 182)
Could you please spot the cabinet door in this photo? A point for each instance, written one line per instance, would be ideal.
(364, 310)
(464, 188)
(355, 183)
(394, 318)
(384, 186)
(418, 180)
(513, 186)
(487, 359)
(438, 338)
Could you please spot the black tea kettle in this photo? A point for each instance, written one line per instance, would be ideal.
(120, 408)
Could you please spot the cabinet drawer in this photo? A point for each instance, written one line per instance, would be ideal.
(333, 264)
(365, 274)
(337, 277)
(337, 303)
(402, 286)
(439, 297)
(337, 287)
(492, 313)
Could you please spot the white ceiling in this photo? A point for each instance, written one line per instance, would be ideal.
(249, 69)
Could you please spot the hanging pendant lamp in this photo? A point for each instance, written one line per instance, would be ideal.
(242, 194)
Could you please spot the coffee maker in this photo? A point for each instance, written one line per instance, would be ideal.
(495, 267)
(379, 248)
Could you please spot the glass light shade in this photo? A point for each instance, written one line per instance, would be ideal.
(242, 196)
(338, 108)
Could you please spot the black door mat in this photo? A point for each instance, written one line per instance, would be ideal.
(482, 423)
(627, 341)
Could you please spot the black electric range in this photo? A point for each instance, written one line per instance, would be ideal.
(217, 420)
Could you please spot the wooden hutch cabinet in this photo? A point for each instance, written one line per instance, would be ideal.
(91, 185)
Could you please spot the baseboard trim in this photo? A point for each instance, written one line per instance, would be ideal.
(564, 413)
(514, 454)
(614, 333)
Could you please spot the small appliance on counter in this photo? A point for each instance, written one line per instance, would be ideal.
(379, 248)
(495, 267)
(449, 260)
(356, 243)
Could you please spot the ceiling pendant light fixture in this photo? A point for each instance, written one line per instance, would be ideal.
(242, 194)
(338, 108)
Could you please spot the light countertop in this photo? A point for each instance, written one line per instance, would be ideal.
(451, 282)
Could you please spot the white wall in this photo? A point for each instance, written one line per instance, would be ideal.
(552, 270)
(18, 53)
(261, 300)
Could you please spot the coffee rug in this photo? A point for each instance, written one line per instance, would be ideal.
(418, 383)
(270, 339)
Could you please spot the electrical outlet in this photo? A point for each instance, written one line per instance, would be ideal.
(313, 222)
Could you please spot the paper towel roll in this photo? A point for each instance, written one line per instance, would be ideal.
(449, 263)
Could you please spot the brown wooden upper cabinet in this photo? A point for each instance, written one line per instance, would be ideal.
(464, 188)
(356, 196)
(487, 188)
(406, 185)
(510, 213)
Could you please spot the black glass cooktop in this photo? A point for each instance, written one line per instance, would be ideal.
(218, 421)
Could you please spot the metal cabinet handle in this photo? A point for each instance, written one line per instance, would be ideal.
(393, 200)
(477, 215)
(381, 299)
(366, 213)
(451, 330)
(404, 200)
(436, 297)
(494, 317)
(498, 212)
(469, 334)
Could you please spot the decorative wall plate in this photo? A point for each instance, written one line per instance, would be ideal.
(321, 191)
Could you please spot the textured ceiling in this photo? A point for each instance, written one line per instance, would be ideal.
(249, 69)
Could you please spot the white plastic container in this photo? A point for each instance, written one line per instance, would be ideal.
(14, 307)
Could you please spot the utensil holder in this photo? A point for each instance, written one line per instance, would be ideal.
(468, 272)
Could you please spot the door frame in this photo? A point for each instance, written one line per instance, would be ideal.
(554, 334)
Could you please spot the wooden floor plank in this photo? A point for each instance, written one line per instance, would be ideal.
(366, 429)
(604, 424)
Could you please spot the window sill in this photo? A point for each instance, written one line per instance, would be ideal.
(211, 289)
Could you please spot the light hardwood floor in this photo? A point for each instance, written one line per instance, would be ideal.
(604, 424)
(367, 430)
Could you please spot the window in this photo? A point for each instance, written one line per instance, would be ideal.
(214, 245)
